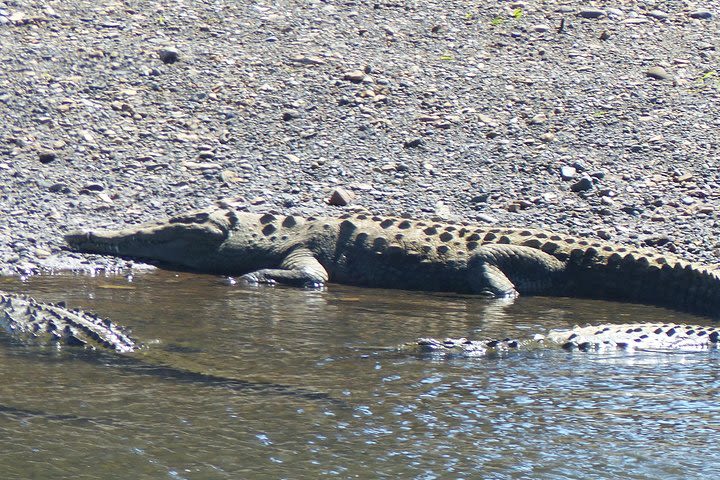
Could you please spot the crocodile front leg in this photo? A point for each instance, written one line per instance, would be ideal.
(300, 268)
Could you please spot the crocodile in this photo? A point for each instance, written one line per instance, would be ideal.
(398, 252)
(30, 322)
(656, 337)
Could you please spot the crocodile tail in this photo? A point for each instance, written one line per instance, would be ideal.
(652, 279)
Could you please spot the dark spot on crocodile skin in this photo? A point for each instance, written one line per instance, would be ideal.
(608, 248)
(399, 236)
(446, 237)
(549, 247)
(268, 229)
(658, 331)
(473, 238)
(630, 330)
(361, 238)
(492, 343)
(541, 235)
(670, 332)
(637, 340)
(404, 225)
(254, 235)
(568, 346)
(584, 347)
(443, 249)
(504, 240)
(644, 336)
(311, 219)
(450, 229)
(362, 217)
(555, 238)
(284, 238)
(375, 218)
(701, 333)
(574, 335)
(289, 221)
(460, 253)
(533, 242)
(472, 245)
(380, 244)
(462, 232)
(638, 329)
(387, 223)
(661, 260)
(430, 231)
(421, 224)
(426, 248)
(345, 216)
(512, 344)
(622, 345)
(584, 243)
(525, 233)
(614, 259)
(495, 230)
(267, 218)
(690, 332)
(713, 337)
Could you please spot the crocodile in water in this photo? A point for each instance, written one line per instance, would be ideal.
(601, 338)
(432, 255)
(33, 322)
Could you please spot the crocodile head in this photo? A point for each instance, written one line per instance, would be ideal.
(188, 240)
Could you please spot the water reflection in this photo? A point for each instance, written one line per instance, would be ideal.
(546, 414)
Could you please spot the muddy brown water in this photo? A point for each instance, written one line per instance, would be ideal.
(552, 414)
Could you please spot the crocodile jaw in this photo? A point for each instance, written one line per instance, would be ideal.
(186, 244)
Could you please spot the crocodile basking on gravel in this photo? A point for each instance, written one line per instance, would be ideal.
(657, 337)
(32, 322)
(431, 255)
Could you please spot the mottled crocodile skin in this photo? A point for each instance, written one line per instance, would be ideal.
(629, 337)
(390, 252)
(35, 322)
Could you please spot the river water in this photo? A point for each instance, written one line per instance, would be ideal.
(346, 407)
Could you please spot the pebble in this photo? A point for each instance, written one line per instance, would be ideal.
(658, 73)
(169, 55)
(658, 14)
(413, 143)
(47, 156)
(701, 14)
(567, 172)
(584, 184)
(341, 197)
(591, 13)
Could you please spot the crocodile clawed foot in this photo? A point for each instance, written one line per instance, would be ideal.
(256, 278)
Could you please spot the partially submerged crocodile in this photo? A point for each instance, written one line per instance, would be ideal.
(32, 322)
(658, 337)
(388, 252)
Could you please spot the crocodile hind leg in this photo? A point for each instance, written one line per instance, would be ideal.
(300, 268)
(503, 270)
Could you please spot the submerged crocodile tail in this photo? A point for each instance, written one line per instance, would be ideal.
(656, 337)
(36, 322)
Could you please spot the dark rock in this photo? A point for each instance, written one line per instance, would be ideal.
(47, 156)
(591, 13)
(341, 197)
(169, 55)
(584, 184)
(413, 143)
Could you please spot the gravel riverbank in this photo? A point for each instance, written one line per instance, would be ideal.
(600, 121)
